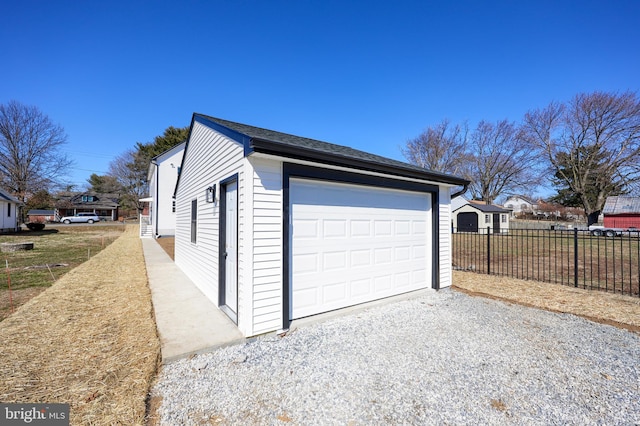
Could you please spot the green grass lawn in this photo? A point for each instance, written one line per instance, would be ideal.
(57, 250)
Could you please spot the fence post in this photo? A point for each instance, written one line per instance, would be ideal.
(575, 257)
(488, 250)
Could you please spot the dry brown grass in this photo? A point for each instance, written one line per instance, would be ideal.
(57, 250)
(11, 301)
(89, 340)
(608, 308)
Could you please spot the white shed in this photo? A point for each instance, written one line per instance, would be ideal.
(9, 211)
(163, 176)
(274, 227)
(480, 217)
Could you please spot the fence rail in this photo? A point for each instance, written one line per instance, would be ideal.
(569, 257)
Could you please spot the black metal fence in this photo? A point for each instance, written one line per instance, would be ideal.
(569, 257)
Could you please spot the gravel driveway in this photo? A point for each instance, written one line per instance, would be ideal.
(442, 358)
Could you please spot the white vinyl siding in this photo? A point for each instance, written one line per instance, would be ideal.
(444, 243)
(8, 216)
(162, 187)
(210, 158)
(267, 245)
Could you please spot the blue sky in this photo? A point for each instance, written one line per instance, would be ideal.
(370, 75)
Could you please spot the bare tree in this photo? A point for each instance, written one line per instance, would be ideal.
(30, 156)
(441, 148)
(592, 145)
(127, 169)
(501, 161)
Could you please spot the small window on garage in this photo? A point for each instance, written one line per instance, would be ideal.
(194, 220)
(9, 210)
(487, 218)
(504, 218)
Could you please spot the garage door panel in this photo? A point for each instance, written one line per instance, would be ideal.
(403, 227)
(382, 255)
(307, 298)
(402, 254)
(382, 228)
(419, 252)
(352, 244)
(383, 285)
(334, 260)
(306, 263)
(360, 257)
(360, 228)
(306, 228)
(334, 228)
(334, 292)
(360, 288)
(418, 276)
(403, 280)
(419, 227)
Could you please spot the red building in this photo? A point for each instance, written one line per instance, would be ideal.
(622, 212)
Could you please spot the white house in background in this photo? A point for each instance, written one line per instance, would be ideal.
(163, 175)
(9, 212)
(476, 216)
(274, 227)
(520, 204)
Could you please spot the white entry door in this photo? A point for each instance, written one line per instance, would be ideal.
(351, 244)
(231, 247)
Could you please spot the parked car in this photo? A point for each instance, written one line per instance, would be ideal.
(81, 218)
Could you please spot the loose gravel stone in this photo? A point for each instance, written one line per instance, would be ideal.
(442, 358)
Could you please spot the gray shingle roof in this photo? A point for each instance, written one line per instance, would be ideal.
(622, 205)
(4, 195)
(484, 208)
(489, 208)
(38, 212)
(103, 200)
(265, 138)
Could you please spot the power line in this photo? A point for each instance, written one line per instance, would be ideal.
(88, 170)
(87, 154)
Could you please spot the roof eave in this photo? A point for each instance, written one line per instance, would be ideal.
(284, 150)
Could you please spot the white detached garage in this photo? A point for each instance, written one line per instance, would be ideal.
(274, 227)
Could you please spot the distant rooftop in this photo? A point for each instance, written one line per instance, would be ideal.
(622, 205)
(480, 205)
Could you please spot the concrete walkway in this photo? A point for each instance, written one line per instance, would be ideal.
(187, 322)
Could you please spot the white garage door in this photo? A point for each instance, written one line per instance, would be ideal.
(352, 244)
